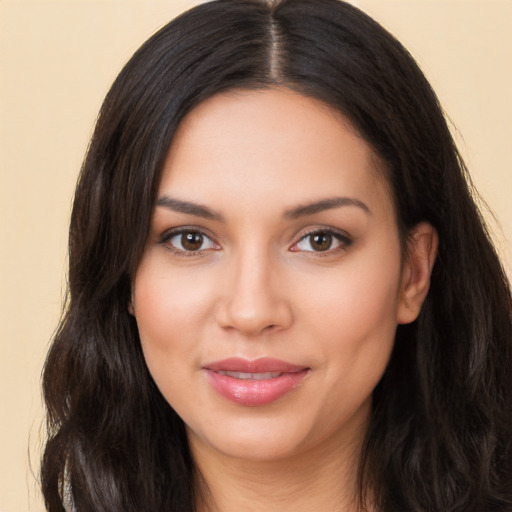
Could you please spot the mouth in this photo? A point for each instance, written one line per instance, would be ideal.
(254, 383)
(250, 376)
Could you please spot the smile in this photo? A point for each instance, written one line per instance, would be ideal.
(254, 383)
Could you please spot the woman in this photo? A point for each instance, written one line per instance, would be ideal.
(281, 293)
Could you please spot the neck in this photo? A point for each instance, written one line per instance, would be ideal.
(321, 479)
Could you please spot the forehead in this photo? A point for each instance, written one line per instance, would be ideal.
(276, 142)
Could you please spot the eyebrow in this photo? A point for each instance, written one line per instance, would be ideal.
(199, 210)
(188, 207)
(325, 204)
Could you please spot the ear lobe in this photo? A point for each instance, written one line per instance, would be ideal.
(422, 244)
(131, 309)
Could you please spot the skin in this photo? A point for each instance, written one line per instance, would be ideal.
(259, 287)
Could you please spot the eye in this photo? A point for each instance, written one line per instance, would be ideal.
(322, 241)
(188, 241)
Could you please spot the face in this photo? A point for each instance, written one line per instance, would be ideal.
(271, 285)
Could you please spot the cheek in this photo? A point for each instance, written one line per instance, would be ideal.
(352, 315)
(358, 295)
(170, 308)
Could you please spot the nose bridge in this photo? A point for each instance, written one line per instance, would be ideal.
(253, 301)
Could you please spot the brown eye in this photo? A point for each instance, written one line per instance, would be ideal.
(321, 241)
(192, 241)
(188, 242)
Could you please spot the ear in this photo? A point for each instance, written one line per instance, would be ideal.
(422, 244)
(131, 308)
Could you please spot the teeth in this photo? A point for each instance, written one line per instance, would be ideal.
(250, 376)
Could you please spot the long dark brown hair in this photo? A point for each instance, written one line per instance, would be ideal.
(440, 437)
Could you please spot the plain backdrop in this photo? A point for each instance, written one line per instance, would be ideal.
(57, 60)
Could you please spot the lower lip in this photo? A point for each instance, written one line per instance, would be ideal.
(253, 393)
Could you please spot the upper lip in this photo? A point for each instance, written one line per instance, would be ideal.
(261, 365)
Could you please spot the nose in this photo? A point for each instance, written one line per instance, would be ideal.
(253, 302)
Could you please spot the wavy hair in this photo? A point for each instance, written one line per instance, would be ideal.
(440, 433)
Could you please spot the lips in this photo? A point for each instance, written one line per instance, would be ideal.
(254, 383)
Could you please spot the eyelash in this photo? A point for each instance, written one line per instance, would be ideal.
(169, 235)
(344, 241)
(342, 238)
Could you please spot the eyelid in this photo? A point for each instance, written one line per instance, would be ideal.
(342, 236)
(168, 234)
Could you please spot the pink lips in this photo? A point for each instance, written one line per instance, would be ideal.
(253, 383)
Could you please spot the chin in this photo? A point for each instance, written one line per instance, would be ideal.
(256, 440)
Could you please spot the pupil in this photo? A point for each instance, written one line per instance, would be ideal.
(192, 241)
(321, 241)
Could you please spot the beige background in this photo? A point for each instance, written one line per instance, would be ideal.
(57, 59)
